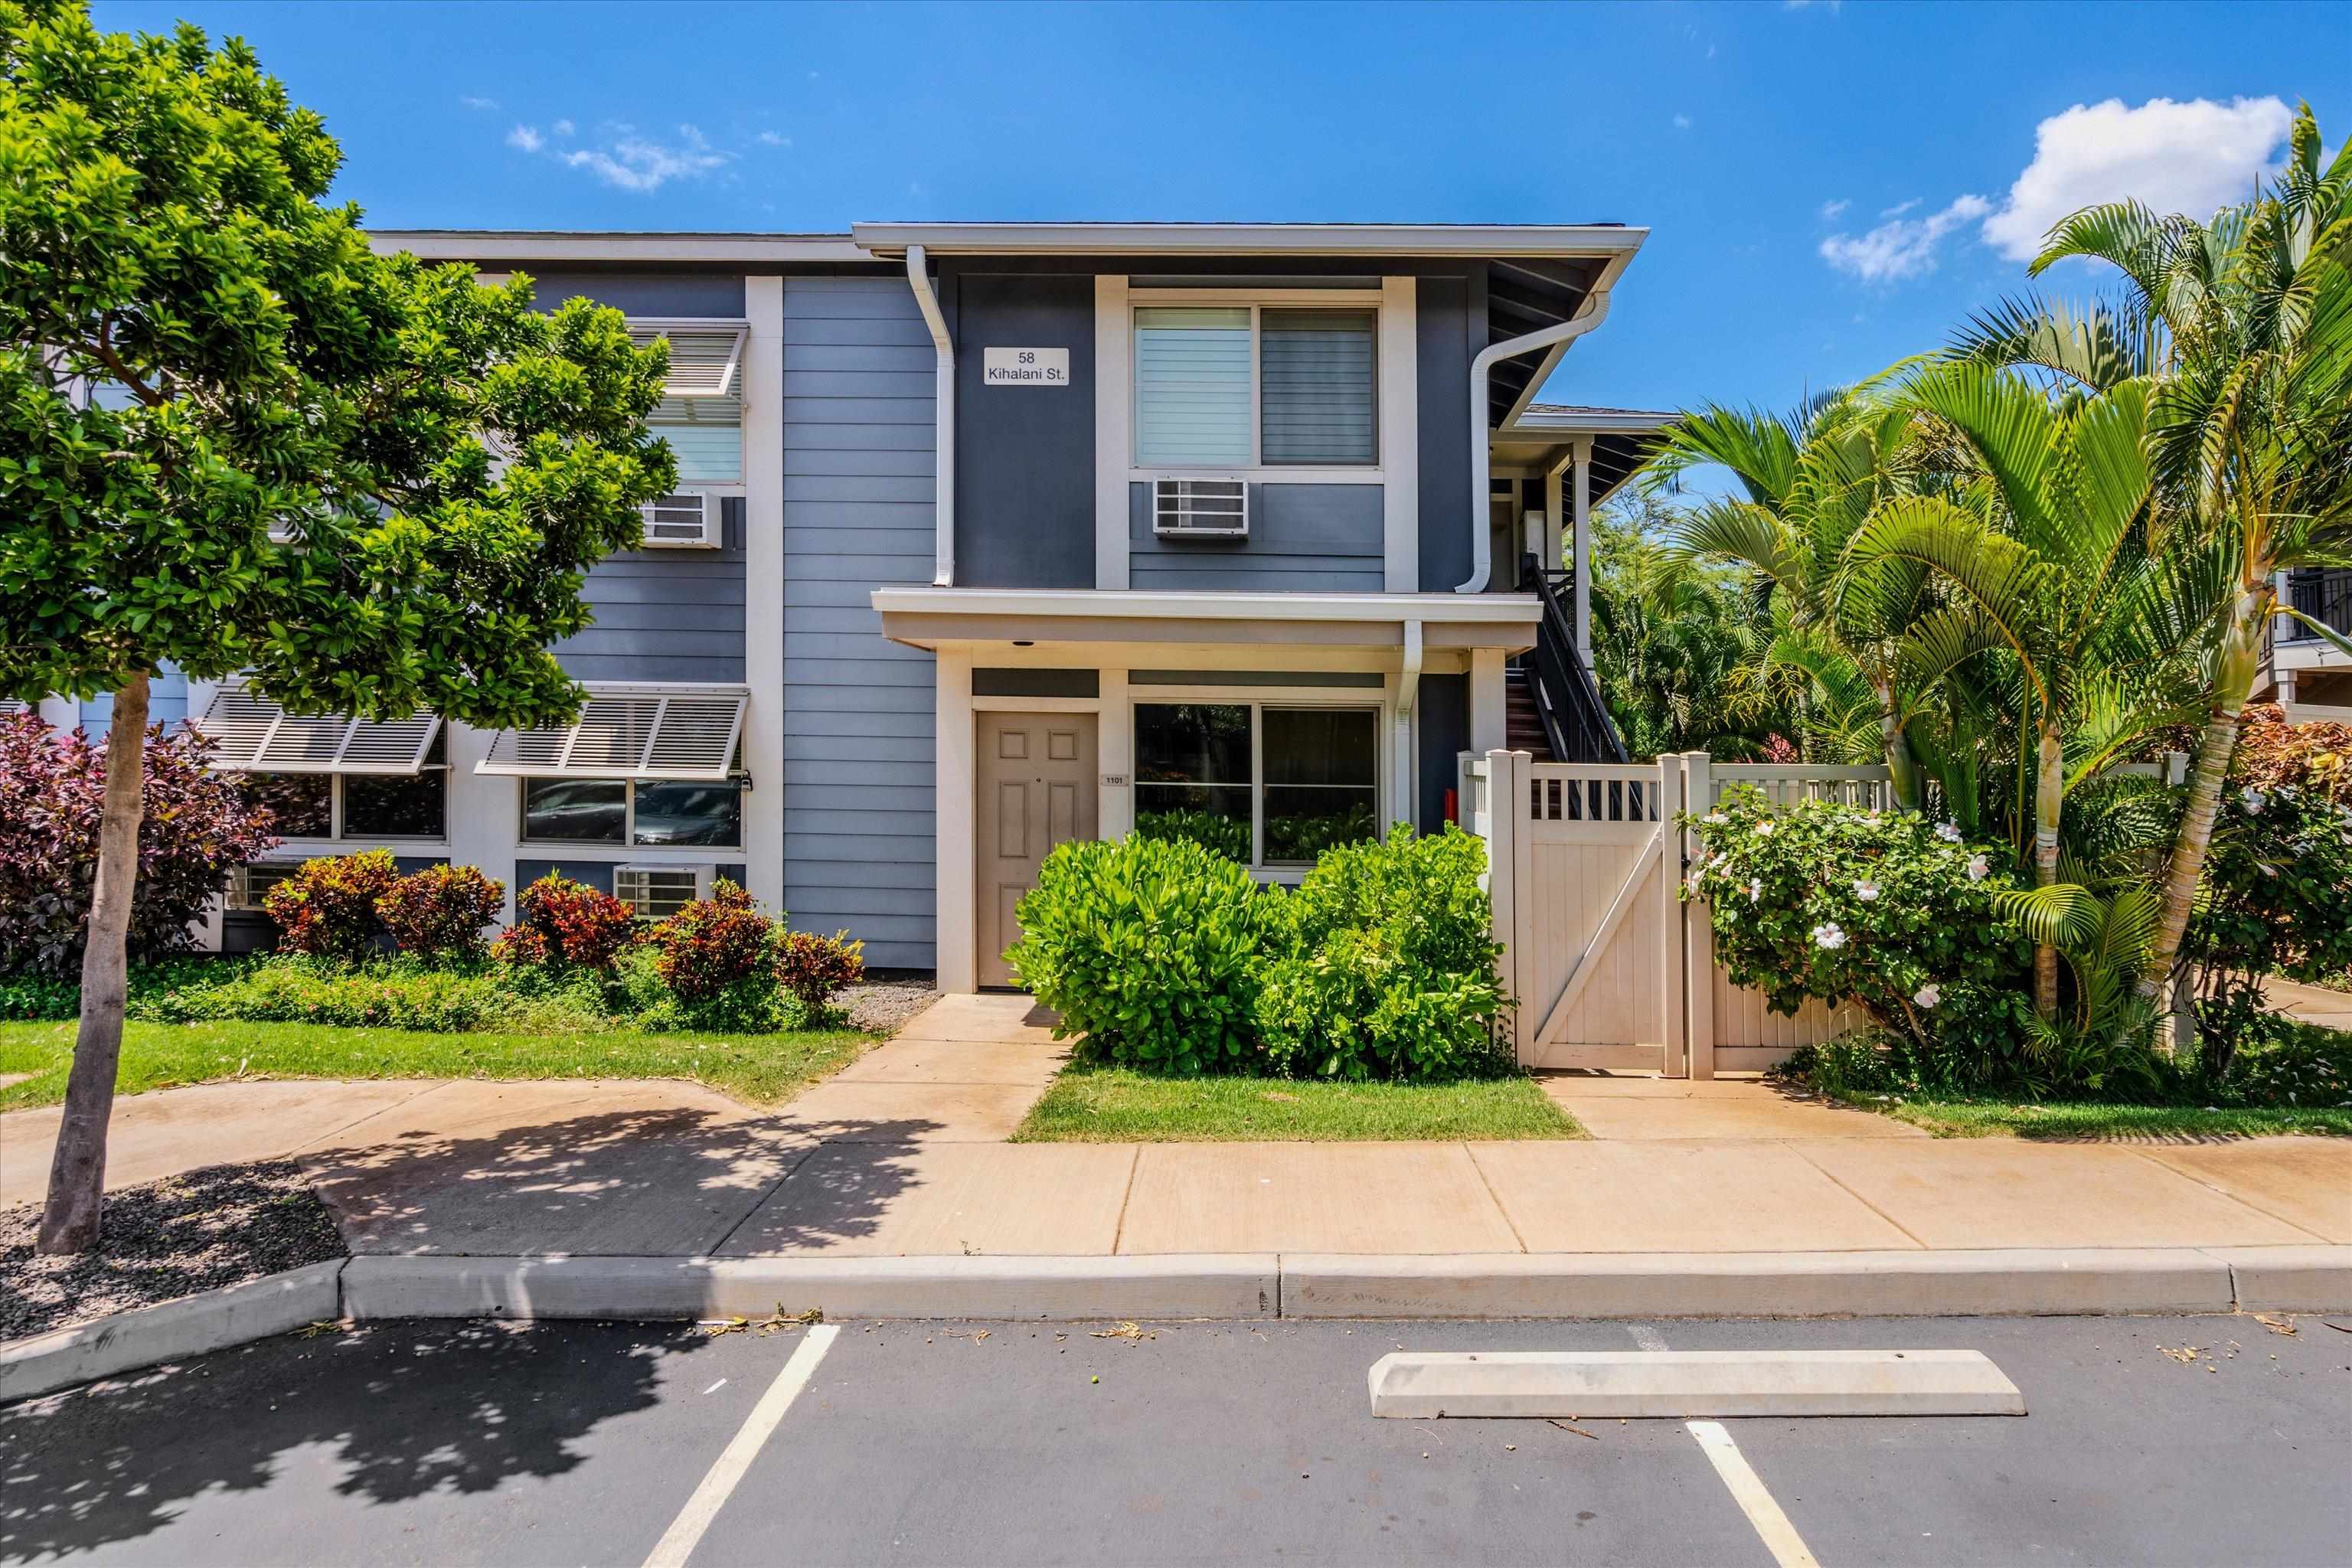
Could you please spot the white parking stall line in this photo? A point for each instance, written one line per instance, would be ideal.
(685, 1532)
(1748, 1491)
(1648, 1337)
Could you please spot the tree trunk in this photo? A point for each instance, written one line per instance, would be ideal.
(1901, 769)
(2048, 806)
(2236, 669)
(78, 1170)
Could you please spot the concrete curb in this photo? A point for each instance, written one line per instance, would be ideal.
(195, 1325)
(1756, 1284)
(2022, 1282)
(1229, 1285)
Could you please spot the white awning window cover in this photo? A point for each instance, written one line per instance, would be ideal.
(632, 732)
(254, 735)
(706, 357)
(14, 705)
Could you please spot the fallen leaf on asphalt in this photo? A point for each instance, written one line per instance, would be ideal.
(2183, 1354)
(1126, 1331)
(324, 1326)
(2275, 1325)
(714, 1326)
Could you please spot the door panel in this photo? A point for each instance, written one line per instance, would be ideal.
(1037, 788)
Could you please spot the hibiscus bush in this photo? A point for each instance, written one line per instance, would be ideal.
(326, 907)
(1890, 911)
(199, 824)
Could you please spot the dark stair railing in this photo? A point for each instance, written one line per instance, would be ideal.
(1575, 720)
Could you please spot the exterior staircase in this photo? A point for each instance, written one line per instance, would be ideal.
(1523, 725)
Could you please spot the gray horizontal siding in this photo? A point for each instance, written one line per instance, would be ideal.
(665, 614)
(1304, 537)
(858, 421)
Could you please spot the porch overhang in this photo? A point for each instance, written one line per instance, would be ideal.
(1544, 436)
(929, 617)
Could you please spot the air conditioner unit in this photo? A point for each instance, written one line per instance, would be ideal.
(1200, 509)
(655, 892)
(687, 521)
(250, 885)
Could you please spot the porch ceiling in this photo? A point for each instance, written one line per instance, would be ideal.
(926, 618)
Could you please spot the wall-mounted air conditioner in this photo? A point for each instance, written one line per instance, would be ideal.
(687, 521)
(655, 892)
(1200, 509)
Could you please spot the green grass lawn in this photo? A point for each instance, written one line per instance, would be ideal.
(2078, 1120)
(1116, 1105)
(760, 1069)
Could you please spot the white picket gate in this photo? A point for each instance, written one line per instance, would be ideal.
(1610, 969)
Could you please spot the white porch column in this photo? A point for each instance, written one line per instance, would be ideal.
(951, 811)
(1115, 755)
(1584, 562)
(1399, 436)
(1489, 726)
(1555, 513)
(484, 812)
(1114, 340)
(764, 574)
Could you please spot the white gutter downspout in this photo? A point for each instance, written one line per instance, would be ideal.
(1594, 310)
(919, 277)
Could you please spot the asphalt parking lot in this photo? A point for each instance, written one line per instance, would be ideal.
(994, 1442)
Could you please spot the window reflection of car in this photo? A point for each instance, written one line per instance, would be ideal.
(577, 811)
(687, 814)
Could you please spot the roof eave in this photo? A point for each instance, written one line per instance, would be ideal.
(891, 240)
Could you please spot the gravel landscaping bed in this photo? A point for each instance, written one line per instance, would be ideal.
(221, 1226)
(880, 1007)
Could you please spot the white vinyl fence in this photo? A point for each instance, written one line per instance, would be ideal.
(1611, 968)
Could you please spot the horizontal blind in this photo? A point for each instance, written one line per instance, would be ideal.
(1193, 386)
(710, 453)
(1318, 402)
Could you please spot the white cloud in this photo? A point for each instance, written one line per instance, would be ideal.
(525, 139)
(1901, 247)
(634, 163)
(472, 103)
(1682, 122)
(563, 128)
(2190, 157)
(1832, 211)
(769, 139)
(1899, 209)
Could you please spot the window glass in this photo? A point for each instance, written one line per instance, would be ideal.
(304, 804)
(576, 811)
(690, 813)
(1192, 774)
(394, 805)
(1193, 386)
(1319, 387)
(1322, 772)
(709, 445)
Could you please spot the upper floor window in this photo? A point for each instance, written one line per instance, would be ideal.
(1237, 386)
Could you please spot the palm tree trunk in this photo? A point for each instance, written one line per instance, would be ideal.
(2240, 662)
(2049, 805)
(69, 1221)
(1902, 768)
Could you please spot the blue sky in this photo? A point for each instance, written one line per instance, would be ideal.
(1827, 186)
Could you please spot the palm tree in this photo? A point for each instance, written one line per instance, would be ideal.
(1813, 478)
(2050, 547)
(2251, 425)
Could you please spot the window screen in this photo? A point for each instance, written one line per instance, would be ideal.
(1319, 387)
(1193, 386)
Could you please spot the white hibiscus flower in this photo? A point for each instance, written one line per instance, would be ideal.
(1866, 891)
(1979, 869)
(1763, 830)
(1927, 995)
(1829, 936)
(1716, 816)
(1950, 832)
(1755, 888)
(2252, 799)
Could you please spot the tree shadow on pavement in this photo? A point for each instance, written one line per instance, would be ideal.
(409, 1407)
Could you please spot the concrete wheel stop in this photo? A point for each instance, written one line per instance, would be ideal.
(1690, 1385)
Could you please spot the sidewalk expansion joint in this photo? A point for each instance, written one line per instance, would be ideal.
(1795, 1147)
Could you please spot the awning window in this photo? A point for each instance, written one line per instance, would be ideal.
(706, 357)
(632, 732)
(253, 734)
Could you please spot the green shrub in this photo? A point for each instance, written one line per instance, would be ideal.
(1890, 911)
(397, 992)
(439, 912)
(2286, 1061)
(1388, 966)
(711, 944)
(37, 998)
(1209, 829)
(1149, 947)
(327, 906)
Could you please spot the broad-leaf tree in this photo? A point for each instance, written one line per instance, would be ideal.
(232, 438)
(2250, 423)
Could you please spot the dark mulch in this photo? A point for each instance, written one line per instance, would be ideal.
(221, 1226)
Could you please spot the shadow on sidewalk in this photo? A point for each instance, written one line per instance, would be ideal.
(673, 1181)
(406, 1409)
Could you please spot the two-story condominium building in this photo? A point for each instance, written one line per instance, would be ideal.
(990, 536)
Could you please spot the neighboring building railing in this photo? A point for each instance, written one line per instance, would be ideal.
(2326, 595)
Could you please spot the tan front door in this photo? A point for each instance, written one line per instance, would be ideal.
(1035, 774)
